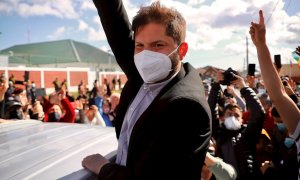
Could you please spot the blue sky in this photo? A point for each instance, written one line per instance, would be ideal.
(217, 29)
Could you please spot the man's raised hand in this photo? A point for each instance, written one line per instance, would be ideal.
(258, 30)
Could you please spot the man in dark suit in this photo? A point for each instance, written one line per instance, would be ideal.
(163, 121)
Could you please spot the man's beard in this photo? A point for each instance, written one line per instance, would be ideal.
(175, 61)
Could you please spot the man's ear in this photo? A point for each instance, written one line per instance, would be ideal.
(183, 50)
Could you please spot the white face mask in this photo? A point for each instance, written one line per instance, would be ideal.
(231, 123)
(225, 104)
(153, 66)
(261, 90)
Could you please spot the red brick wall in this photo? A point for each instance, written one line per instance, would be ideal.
(36, 77)
(50, 76)
(76, 77)
(19, 75)
(110, 77)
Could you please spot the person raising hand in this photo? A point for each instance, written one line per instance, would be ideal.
(284, 104)
(287, 109)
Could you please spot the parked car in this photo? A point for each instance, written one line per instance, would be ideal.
(31, 149)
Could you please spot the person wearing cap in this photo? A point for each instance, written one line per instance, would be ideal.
(13, 109)
(10, 107)
(17, 91)
(264, 147)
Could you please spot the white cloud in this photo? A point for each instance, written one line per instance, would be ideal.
(94, 35)
(195, 2)
(82, 25)
(5, 7)
(88, 5)
(36, 10)
(218, 22)
(66, 7)
(210, 23)
(57, 8)
(132, 9)
(58, 33)
(98, 33)
(239, 47)
(96, 20)
(105, 48)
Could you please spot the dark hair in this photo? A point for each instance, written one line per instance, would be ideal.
(274, 112)
(156, 13)
(265, 97)
(231, 107)
(226, 94)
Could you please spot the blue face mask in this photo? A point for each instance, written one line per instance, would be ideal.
(281, 127)
(288, 142)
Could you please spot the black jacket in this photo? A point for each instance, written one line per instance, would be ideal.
(170, 139)
(2, 109)
(238, 148)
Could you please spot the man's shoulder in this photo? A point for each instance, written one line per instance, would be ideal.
(190, 86)
(192, 78)
(189, 67)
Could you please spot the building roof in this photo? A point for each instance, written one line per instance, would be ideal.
(55, 52)
(290, 70)
(208, 71)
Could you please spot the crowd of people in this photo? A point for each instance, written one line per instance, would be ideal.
(95, 106)
(168, 124)
(256, 129)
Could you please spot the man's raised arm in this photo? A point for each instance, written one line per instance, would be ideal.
(287, 109)
(117, 28)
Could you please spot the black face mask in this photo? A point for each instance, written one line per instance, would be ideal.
(17, 114)
(54, 117)
(34, 116)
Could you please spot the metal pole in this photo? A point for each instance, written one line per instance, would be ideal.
(247, 54)
(109, 59)
(109, 62)
(29, 61)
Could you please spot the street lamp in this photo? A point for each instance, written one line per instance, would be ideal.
(247, 51)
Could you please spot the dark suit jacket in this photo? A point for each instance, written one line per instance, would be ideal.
(170, 139)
